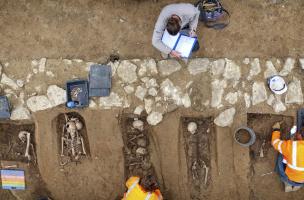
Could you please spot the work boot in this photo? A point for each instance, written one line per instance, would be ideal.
(296, 188)
(288, 187)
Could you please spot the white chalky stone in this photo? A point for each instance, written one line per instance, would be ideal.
(37, 103)
(225, 118)
(270, 99)
(20, 83)
(41, 66)
(168, 67)
(247, 99)
(288, 66)
(294, 92)
(92, 104)
(129, 89)
(259, 93)
(67, 61)
(271, 70)
(278, 105)
(217, 67)
(56, 95)
(232, 97)
(246, 61)
(5, 80)
(198, 65)
(114, 100)
(153, 92)
(148, 105)
(302, 62)
(20, 113)
(154, 118)
(255, 68)
(140, 92)
(232, 71)
(138, 110)
(127, 71)
(217, 92)
(50, 74)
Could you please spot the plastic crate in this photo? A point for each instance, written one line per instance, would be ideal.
(77, 93)
(4, 108)
(100, 78)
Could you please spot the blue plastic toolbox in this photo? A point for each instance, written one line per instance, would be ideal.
(4, 108)
(77, 93)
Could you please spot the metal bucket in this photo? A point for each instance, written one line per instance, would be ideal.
(251, 133)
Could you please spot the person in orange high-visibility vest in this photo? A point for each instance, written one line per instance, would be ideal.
(292, 158)
(145, 188)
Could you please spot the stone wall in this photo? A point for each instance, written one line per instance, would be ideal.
(157, 87)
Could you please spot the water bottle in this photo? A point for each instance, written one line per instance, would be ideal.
(293, 130)
(72, 104)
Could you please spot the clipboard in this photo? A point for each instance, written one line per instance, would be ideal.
(180, 42)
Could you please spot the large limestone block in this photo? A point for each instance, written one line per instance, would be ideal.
(259, 93)
(217, 92)
(154, 118)
(5, 80)
(294, 92)
(288, 66)
(114, 100)
(56, 95)
(270, 69)
(232, 70)
(37, 103)
(198, 65)
(225, 118)
(20, 113)
(167, 67)
(255, 68)
(127, 71)
(217, 67)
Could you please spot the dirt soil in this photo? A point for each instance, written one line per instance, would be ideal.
(89, 179)
(197, 149)
(11, 147)
(137, 163)
(263, 176)
(12, 154)
(92, 30)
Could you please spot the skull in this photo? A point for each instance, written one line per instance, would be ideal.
(192, 127)
(78, 125)
(22, 136)
(141, 151)
(139, 125)
(71, 127)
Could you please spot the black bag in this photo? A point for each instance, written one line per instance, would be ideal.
(210, 13)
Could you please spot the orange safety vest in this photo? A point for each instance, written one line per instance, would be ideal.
(293, 153)
(136, 192)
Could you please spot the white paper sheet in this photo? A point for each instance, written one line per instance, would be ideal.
(184, 45)
(169, 40)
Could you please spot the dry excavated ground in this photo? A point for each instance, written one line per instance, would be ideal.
(46, 43)
(218, 94)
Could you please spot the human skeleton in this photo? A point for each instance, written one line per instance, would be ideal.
(25, 137)
(72, 144)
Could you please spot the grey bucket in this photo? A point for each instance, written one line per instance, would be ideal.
(252, 136)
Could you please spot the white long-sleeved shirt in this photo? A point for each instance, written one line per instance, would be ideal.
(186, 12)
